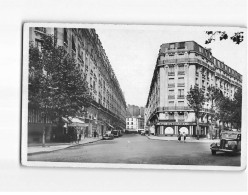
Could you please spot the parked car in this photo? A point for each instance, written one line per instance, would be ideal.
(142, 133)
(116, 133)
(108, 136)
(230, 142)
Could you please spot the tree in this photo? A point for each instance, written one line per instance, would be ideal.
(215, 97)
(237, 108)
(196, 100)
(56, 85)
(236, 38)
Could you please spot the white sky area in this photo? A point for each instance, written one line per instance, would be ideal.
(133, 50)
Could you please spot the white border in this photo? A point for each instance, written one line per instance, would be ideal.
(109, 165)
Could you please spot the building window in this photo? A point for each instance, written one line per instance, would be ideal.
(171, 92)
(41, 29)
(172, 46)
(171, 69)
(180, 103)
(171, 103)
(180, 92)
(65, 36)
(181, 68)
(171, 116)
(181, 80)
(181, 45)
(171, 80)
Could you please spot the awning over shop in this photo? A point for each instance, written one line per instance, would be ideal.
(76, 122)
(110, 125)
(65, 120)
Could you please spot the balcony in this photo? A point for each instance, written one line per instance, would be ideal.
(180, 97)
(171, 73)
(171, 85)
(171, 96)
(172, 108)
(181, 72)
(180, 84)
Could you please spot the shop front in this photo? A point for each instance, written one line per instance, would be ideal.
(174, 128)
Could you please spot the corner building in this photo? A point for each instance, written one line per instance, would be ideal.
(179, 66)
(108, 108)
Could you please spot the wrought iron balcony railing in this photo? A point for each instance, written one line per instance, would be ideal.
(181, 72)
(170, 85)
(180, 97)
(173, 108)
(171, 96)
(180, 84)
(171, 73)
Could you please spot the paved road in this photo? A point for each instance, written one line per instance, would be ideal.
(137, 149)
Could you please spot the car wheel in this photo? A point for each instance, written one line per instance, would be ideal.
(213, 152)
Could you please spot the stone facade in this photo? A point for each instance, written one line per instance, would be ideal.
(180, 66)
(108, 110)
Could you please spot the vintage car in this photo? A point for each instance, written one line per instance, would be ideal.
(143, 132)
(108, 136)
(230, 142)
(116, 133)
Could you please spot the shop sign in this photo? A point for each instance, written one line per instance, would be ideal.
(176, 123)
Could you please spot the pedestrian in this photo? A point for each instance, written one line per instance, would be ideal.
(80, 136)
(77, 138)
(184, 137)
(179, 137)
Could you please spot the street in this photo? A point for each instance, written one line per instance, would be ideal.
(137, 149)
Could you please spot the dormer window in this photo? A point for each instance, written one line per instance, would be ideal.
(181, 45)
(172, 46)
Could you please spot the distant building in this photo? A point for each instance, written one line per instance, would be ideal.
(135, 118)
(180, 66)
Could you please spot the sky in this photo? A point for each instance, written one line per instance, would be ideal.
(133, 50)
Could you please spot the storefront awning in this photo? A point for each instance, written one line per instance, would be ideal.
(76, 122)
(65, 120)
(110, 126)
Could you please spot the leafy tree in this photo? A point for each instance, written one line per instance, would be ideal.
(196, 100)
(215, 97)
(56, 85)
(237, 108)
(222, 35)
(230, 110)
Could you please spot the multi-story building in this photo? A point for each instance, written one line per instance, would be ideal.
(180, 66)
(135, 118)
(108, 108)
(132, 124)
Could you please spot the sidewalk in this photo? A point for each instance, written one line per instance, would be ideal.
(50, 147)
(188, 139)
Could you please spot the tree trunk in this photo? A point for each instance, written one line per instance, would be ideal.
(197, 128)
(44, 137)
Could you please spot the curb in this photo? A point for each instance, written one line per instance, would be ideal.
(43, 152)
(188, 141)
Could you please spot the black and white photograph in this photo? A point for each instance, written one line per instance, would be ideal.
(123, 96)
(133, 96)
